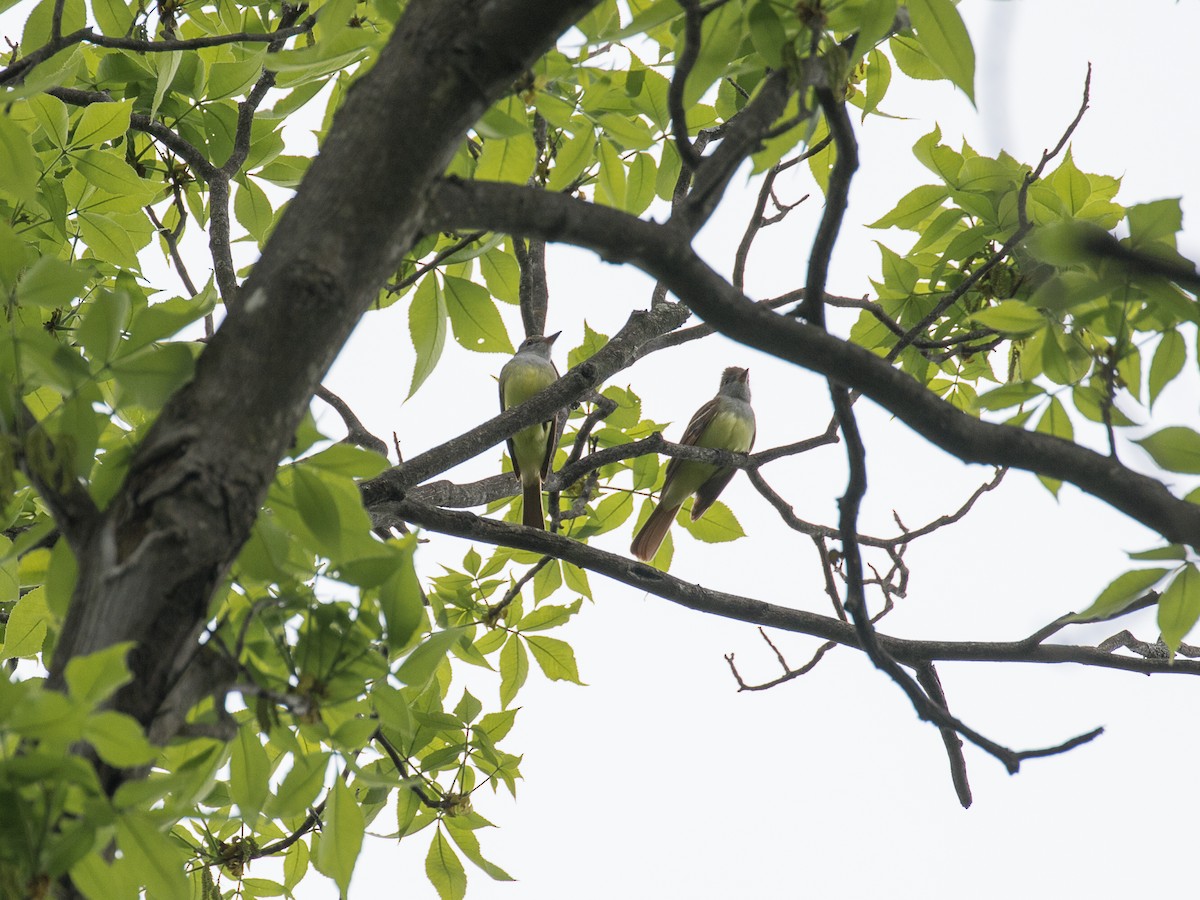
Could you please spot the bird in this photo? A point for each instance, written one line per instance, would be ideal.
(532, 448)
(725, 422)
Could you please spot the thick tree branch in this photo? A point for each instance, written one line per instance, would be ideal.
(770, 615)
(658, 250)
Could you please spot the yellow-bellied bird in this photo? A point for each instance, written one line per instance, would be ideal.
(532, 449)
(726, 422)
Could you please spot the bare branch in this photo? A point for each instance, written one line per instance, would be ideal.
(356, 433)
(757, 612)
(927, 676)
(693, 17)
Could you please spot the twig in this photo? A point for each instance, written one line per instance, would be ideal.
(438, 259)
(496, 610)
(59, 42)
(1048, 155)
(356, 432)
(693, 18)
(927, 676)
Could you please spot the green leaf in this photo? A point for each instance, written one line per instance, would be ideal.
(21, 170)
(1011, 317)
(300, 786)
(295, 864)
(25, 631)
(1156, 222)
(343, 826)
(592, 342)
(51, 283)
(628, 132)
(109, 172)
(502, 275)
(163, 320)
(165, 65)
(419, 666)
(511, 160)
(1176, 449)
(717, 525)
(610, 513)
(113, 16)
(147, 377)
(427, 327)
(249, 769)
(514, 669)
(317, 507)
(233, 78)
(158, 860)
(107, 240)
(101, 122)
(1056, 422)
(473, 316)
(60, 579)
(1008, 395)
(468, 843)
(555, 657)
(610, 187)
(1179, 607)
(97, 676)
(720, 37)
(13, 256)
(1123, 590)
(649, 17)
(547, 580)
(401, 598)
(766, 32)
(52, 115)
(260, 887)
(1171, 551)
(572, 158)
(253, 210)
(105, 317)
(1169, 357)
(639, 185)
(348, 461)
(915, 207)
(944, 37)
(547, 616)
(576, 580)
(118, 739)
(444, 869)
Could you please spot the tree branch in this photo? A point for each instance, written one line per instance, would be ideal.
(658, 250)
(757, 612)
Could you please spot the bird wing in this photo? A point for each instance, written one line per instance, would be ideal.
(707, 493)
(553, 431)
(692, 434)
(512, 454)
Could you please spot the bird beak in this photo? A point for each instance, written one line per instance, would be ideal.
(551, 338)
(745, 376)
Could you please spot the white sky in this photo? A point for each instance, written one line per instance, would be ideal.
(659, 779)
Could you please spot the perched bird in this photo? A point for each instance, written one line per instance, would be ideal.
(725, 422)
(531, 449)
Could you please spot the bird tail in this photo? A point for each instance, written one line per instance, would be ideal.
(647, 541)
(531, 505)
